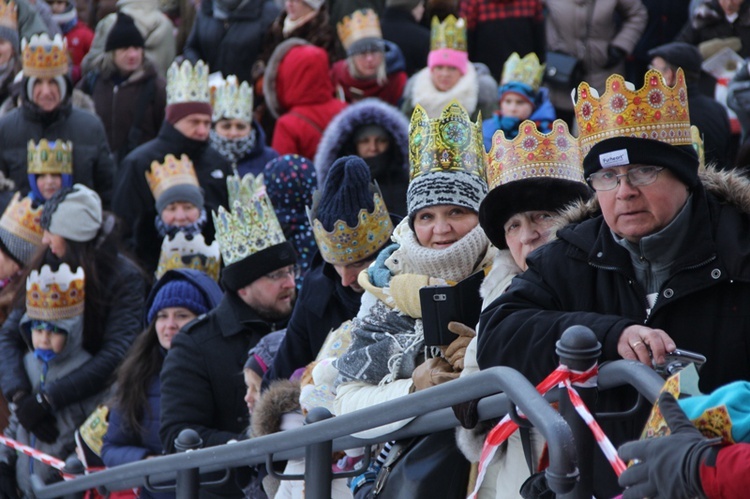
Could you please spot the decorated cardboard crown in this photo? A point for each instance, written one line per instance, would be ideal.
(533, 154)
(527, 70)
(44, 57)
(252, 224)
(344, 244)
(54, 157)
(187, 83)
(699, 147)
(181, 251)
(52, 296)
(656, 111)
(8, 14)
(450, 142)
(22, 220)
(232, 100)
(450, 34)
(170, 173)
(360, 24)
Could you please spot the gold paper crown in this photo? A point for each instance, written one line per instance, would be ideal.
(23, 220)
(450, 34)
(363, 23)
(344, 245)
(9, 15)
(187, 83)
(189, 252)
(656, 111)
(171, 172)
(533, 154)
(527, 70)
(57, 295)
(251, 227)
(45, 158)
(699, 147)
(44, 57)
(450, 142)
(232, 100)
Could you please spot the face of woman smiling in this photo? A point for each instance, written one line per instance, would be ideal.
(439, 226)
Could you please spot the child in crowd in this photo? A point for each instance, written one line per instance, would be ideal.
(53, 328)
(521, 98)
(50, 168)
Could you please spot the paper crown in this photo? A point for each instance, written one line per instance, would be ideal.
(450, 34)
(244, 189)
(21, 219)
(699, 147)
(363, 23)
(232, 100)
(187, 83)
(50, 157)
(533, 154)
(345, 244)
(44, 57)
(8, 14)
(181, 251)
(56, 295)
(450, 142)
(251, 226)
(527, 70)
(170, 173)
(656, 111)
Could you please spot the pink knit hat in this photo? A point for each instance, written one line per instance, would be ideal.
(448, 57)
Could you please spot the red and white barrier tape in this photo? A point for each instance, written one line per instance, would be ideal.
(562, 377)
(52, 461)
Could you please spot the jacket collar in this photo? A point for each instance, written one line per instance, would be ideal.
(234, 316)
(193, 148)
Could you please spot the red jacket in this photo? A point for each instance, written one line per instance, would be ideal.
(728, 477)
(79, 42)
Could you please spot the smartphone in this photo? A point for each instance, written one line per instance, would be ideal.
(443, 304)
(678, 360)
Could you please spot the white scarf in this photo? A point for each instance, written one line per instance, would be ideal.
(465, 91)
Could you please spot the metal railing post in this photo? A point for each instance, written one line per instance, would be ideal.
(579, 350)
(318, 473)
(188, 480)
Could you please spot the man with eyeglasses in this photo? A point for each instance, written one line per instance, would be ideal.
(660, 259)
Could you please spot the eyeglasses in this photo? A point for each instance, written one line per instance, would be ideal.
(292, 271)
(638, 176)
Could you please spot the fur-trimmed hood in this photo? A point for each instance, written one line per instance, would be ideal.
(281, 397)
(340, 132)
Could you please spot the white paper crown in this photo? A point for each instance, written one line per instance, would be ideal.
(55, 295)
(232, 100)
(187, 83)
(189, 252)
(44, 57)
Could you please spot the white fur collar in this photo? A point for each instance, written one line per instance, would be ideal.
(466, 92)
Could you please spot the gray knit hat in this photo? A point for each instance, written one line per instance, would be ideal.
(74, 213)
(260, 357)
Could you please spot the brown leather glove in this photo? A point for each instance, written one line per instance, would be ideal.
(432, 372)
(456, 351)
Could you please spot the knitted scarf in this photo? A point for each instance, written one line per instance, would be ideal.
(233, 150)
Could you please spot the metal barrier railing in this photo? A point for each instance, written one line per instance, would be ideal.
(432, 413)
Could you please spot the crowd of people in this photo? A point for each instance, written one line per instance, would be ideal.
(218, 215)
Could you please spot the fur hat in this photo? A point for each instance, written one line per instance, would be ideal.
(74, 213)
(124, 34)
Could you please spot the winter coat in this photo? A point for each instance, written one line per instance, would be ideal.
(156, 28)
(92, 163)
(318, 31)
(709, 22)
(713, 122)
(322, 305)
(134, 203)
(232, 46)
(566, 30)
(338, 141)
(476, 91)
(31, 22)
(202, 382)
(586, 278)
(79, 40)
(123, 302)
(116, 103)
(543, 116)
(413, 39)
(356, 89)
(299, 93)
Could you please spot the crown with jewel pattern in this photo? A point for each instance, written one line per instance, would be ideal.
(9, 15)
(450, 142)
(699, 146)
(533, 154)
(244, 189)
(363, 23)
(656, 111)
(52, 296)
(170, 173)
(54, 157)
(187, 83)
(527, 70)
(44, 57)
(232, 100)
(21, 219)
(181, 251)
(449, 34)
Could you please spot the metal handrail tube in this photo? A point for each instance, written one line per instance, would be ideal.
(292, 443)
(630, 372)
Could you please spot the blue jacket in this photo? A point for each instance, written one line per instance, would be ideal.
(259, 156)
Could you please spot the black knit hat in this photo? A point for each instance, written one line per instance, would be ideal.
(346, 191)
(681, 55)
(124, 34)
